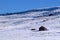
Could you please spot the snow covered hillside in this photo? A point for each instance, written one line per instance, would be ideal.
(17, 26)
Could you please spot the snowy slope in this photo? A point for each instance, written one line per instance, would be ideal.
(18, 26)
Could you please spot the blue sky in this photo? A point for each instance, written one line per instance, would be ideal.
(7, 6)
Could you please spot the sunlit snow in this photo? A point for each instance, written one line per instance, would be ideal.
(18, 27)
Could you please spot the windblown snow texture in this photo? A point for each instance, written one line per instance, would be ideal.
(17, 26)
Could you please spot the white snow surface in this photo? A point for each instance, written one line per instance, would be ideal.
(17, 27)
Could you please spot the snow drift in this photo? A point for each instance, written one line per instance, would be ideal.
(17, 26)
